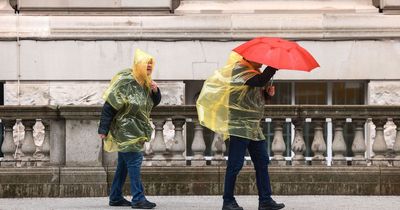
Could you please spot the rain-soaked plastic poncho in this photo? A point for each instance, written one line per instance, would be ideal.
(129, 93)
(229, 107)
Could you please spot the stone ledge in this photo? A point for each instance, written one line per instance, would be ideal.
(93, 5)
(202, 27)
(269, 7)
(95, 181)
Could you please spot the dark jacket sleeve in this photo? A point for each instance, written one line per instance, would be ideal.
(260, 80)
(156, 97)
(107, 116)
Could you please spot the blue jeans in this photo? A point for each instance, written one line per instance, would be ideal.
(128, 163)
(260, 158)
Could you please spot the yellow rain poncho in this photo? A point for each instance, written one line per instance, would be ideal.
(229, 107)
(129, 93)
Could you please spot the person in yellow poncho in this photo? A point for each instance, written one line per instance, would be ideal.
(231, 103)
(125, 126)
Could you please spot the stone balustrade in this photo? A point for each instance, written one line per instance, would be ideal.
(300, 135)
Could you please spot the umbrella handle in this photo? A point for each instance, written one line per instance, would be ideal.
(272, 81)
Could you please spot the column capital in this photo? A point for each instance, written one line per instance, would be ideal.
(5, 7)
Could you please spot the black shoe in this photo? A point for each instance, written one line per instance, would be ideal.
(145, 204)
(122, 202)
(270, 205)
(232, 206)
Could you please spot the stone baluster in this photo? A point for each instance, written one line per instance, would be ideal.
(158, 144)
(39, 135)
(379, 146)
(5, 7)
(278, 144)
(339, 144)
(28, 146)
(178, 145)
(318, 146)
(8, 148)
(18, 138)
(218, 148)
(396, 146)
(198, 145)
(46, 143)
(298, 146)
(358, 147)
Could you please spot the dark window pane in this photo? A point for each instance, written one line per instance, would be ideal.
(348, 93)
(311, 93)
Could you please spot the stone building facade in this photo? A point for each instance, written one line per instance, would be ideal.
(64, 53)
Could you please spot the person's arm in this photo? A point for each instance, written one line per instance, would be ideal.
(156, 96)
(107, 115)
(260, 80)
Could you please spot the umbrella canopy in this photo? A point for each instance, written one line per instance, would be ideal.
(278, 53)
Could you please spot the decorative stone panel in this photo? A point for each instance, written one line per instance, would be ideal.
(78, 93)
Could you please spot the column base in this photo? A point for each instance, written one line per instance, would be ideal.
(278, 162)
(198, 162)
(379, 162)
(339, 161)
(298, 162)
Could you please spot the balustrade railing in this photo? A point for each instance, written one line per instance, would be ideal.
(37, 136)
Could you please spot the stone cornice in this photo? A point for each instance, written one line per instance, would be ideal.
(202, 27)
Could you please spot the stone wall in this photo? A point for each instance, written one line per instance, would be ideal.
(187, 60)
(78, 93)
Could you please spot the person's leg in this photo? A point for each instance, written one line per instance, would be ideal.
(118, 181)
(237, 151)
(259, 156)
(134, 163)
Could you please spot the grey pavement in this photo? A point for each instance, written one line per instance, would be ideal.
(211, 203)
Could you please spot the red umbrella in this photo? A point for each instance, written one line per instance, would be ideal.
(278, 53)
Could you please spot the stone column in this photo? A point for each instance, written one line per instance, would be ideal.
(396, 146)
(57, 142)
(359, 146)
(379, 146)
(218, 148)
(178, 145)
(45, 148)
(339, 144)
(158, 144)
(8, 148)
(5, 7)
(298, 146)
(198, 146)
(28, 146)
(318, 146)
(278, 144)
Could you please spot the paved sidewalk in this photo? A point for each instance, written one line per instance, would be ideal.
(211, 203)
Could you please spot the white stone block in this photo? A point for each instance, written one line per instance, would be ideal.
(77, 93)
(30, 93)
(172, 93)
(8, 59)
(384, 93)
